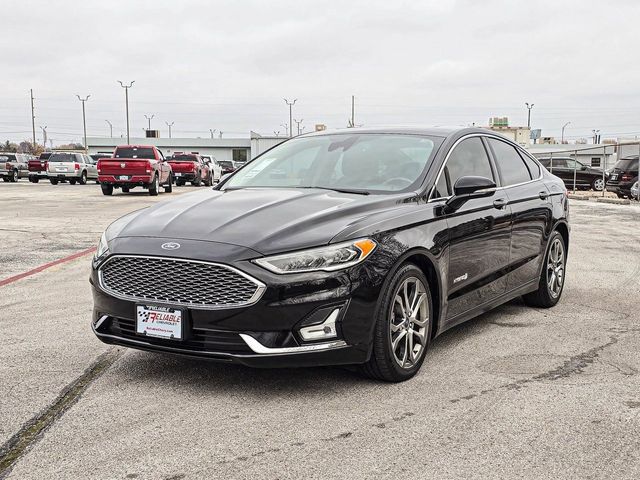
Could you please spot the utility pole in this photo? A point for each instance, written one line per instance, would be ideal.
(212, 131)
(529, 107)
(84, 120)
(149, 120)
(126, 99)
(169, 125)
(276, 133)
(562, 135)
(33, 122)
(291, 104)
(50, 144)
(44, 135)
(353, 109)
(298, 122)
(110, 128)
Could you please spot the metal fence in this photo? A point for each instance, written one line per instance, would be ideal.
(573, 153)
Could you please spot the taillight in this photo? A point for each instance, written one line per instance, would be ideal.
(76, 166)
(626, 177)
(148, 167)
(7, 166)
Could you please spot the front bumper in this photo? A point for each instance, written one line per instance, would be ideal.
(266, 333)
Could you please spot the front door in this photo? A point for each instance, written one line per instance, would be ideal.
(479, 234)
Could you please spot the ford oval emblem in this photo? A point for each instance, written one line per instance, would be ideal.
(170, 246)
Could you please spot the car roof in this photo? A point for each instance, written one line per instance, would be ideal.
(439, 131)
(136, 146)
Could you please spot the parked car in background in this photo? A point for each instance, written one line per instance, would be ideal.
(226, 166)
(73, 167)
(586, 177)
(376, 243)
(214, 166)
(189, 167)
(14, 166)
(623, 176)
(98, 156)
(135, 166)
(635, 191)
(38, 167)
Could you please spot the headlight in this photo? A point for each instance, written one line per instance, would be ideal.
(103, 248)
(333, 257)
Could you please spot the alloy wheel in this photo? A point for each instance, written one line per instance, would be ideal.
(409, 318)
(598, 184)
(555, 268)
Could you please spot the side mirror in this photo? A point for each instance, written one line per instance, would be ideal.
(468, 188)
(583, 167)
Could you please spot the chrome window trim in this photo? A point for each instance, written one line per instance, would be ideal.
(486, 135)
(260, 287)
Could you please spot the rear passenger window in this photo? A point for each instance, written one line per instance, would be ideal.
(469, 158)
(512, 168)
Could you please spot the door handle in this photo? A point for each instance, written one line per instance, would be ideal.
(499, 203)
(543, 195)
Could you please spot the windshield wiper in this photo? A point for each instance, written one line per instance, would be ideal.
(343, 190)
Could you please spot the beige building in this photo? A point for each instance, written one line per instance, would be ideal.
(520, 135)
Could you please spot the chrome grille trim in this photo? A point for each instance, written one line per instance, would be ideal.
(244, 301)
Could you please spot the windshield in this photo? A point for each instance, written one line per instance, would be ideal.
(134, 152)
(45, 156)
(4, 157)
(627, 164)
(368, 162)
(184, 158)
(63, 157)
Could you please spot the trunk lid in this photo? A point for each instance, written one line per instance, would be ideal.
(182, 166)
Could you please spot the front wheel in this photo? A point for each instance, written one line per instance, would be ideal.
(403, 326)
(598, 185)
(14, 176)
(552, 277)
(83, 179)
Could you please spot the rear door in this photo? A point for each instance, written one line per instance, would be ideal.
(479, 233)
(531, 211)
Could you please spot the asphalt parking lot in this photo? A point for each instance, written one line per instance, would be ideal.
(515, 393)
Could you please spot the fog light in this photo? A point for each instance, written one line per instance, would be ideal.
(321, 331)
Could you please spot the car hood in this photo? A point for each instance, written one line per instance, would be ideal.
(264, 220)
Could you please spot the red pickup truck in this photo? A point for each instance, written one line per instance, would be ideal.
(135, 166)
(38, 167)
(190, 167)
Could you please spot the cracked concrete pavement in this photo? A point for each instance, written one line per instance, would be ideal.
(517, 392)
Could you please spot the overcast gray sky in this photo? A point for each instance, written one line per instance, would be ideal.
(228, 64)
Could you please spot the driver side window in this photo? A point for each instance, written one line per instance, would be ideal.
(468, 158)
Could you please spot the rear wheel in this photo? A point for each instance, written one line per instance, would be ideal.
(5, 179)
(621, 195)
(54, 181)
(168, 188)
(403, 327)
(552, 276)
(14, 176)
(83, 178)
(598, 185)
(107, 189)
(198, 181)
(179, 183)
(153, 187)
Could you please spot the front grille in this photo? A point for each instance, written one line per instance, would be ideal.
(198, 340)
(177, 281)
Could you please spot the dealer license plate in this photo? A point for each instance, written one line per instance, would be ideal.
(178, 174)
(123, 177)
(158, 321)
(614, 176)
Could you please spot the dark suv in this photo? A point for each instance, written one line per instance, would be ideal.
(586, 177)
(623, 176)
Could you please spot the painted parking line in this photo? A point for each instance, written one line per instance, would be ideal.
(39, 269)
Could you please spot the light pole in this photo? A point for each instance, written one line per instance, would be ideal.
(562, 136)
(84, 120)
(212, 131)
(169, 125)
(44, 135)
(529, 107)
(596, 136)
(110, 128)
(149, 120)
(298, 122)
(291, 104)
(126, 99)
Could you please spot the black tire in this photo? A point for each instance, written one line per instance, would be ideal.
(382, 364)
(179, 183)
(107, 189)
(83, 178)
(72, 181)
(153, 186)
(168, 188)
(543, 297)
(621, 195)
(125, 189)
(14, 176)
(209, 181)
(198, 180)
(53, 181)
(5, 179)
(36, 179)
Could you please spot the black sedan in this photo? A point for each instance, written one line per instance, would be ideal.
(568, 169)
(349, 247)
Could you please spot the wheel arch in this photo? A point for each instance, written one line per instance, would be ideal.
(563, 229)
